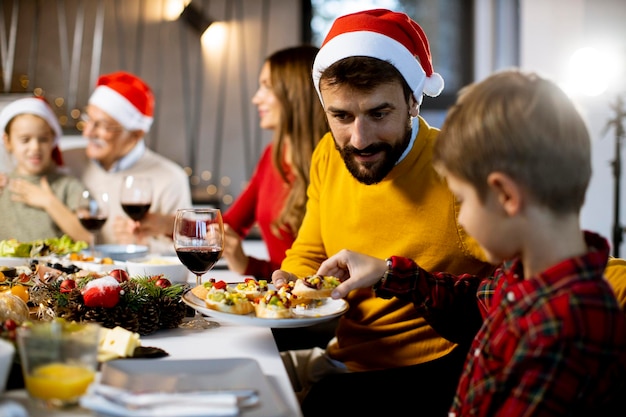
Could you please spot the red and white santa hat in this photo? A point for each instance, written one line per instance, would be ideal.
(126, 98)
(37, 106)
(390, 36)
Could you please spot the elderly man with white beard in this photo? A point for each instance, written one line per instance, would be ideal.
(118, 115)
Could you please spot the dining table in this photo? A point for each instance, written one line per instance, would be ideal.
(229, 340)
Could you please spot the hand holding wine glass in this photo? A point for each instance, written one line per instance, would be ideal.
(136, 196)
(93, 212)
(199, 243)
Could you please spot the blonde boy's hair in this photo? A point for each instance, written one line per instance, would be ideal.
(524, 126)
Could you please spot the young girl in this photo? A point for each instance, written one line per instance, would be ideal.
(36, 199)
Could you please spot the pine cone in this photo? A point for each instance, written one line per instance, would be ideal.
(171, 312)
(99, 315)
(71, 307)
(124, 317)
(149, 319)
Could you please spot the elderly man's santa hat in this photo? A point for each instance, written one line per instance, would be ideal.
(386, 35)
(126, 98)
(39, 107)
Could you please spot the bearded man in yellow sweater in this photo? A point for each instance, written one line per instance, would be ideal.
(372, 182)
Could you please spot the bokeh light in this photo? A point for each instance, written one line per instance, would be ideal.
(592, 71)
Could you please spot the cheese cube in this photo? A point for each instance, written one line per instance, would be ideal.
(120, 341)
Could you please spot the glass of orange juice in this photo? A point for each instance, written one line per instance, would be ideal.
(59, 360)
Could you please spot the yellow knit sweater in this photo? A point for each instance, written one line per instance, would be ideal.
(411, 213)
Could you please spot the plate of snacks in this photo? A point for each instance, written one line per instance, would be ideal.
(270, 307)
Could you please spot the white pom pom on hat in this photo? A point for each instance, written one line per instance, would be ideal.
(390, 36)
(126, 98)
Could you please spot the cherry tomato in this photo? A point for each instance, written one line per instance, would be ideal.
(219, 285)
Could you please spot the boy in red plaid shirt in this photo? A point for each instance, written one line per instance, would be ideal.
(549, 336)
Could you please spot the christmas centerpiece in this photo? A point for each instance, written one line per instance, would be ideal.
(141, 304)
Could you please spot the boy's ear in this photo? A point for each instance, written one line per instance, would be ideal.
(507, 191)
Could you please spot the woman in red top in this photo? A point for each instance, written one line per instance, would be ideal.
(275, 197)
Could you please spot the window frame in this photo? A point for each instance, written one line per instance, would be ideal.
(464, 40)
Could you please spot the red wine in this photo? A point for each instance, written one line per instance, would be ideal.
(136, 211)
(199, 259)
(93, 224)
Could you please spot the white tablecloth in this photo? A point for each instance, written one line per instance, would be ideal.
(226, 341)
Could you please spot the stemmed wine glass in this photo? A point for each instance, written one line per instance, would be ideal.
(199, 243)
(136, 196)
(93, 212)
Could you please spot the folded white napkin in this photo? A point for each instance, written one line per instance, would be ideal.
(116, 402)
(12, 409)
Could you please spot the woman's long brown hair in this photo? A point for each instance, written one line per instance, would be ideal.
(302, 120)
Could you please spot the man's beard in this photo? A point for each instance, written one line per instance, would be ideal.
(372, 173)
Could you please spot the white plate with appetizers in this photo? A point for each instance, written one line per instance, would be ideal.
(324, 310)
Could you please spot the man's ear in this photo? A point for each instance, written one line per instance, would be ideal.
(414, 108)
(137, 135)
(507, 191)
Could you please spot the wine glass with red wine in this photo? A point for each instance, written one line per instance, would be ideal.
(93, 211)
(199, 243)
(136, 196)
